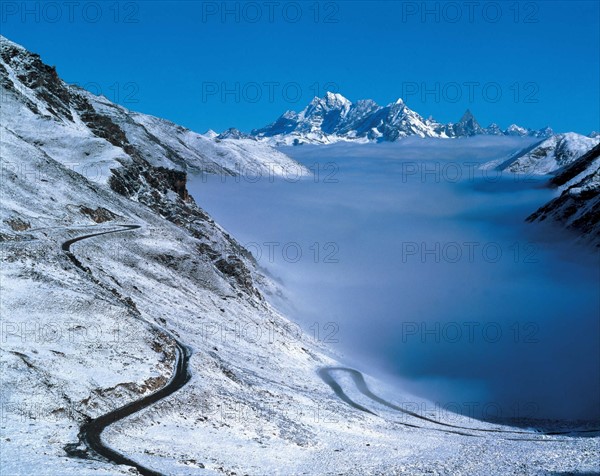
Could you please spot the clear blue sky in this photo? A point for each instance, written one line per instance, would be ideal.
(175, 59)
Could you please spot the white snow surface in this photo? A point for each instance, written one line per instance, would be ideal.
(548, 155)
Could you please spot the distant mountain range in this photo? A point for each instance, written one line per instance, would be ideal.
(573, 159)
(334, 118)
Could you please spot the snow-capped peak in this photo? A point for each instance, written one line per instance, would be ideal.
(514, 129)
(336, 99)
(333, 118)
(328, 102)
(5, 43)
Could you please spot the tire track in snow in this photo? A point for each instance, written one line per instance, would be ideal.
(359, 381)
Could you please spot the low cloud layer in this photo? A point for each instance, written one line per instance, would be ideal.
(419, 267)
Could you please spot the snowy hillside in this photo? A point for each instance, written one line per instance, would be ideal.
(334, 118)
(578, 206)
(549, 155)
(92, 135)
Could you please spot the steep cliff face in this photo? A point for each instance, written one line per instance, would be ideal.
(164, 191)
(41, 80)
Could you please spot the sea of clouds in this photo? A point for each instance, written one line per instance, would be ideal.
(419, 267)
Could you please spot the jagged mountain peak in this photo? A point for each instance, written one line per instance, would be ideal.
(233, 133)
(330, 101)
(336, 98)
(334, 118)
(514, 129)
(468, 117)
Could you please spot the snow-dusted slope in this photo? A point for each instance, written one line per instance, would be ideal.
(549, 155)
(93, 135)
(578, 206)
(334, 118)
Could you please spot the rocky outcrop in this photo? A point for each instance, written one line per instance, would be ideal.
(578, 206)
(164, 191)
(99, 214)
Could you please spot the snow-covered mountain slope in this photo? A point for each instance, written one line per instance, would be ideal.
(255, 404)
(549, 155)
(578, 206)
(334, 118)
(93, 135)
(87, 331)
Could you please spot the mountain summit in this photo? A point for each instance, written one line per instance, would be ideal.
(334, 118)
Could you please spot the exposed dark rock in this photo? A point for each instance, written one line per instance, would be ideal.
(17, 224)
(578, 206)
(42, 79)
(99, 215)
(102, 126)
(575, 168)
(164, 191)
(234, 267)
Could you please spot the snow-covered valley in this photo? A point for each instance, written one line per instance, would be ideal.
(150, 323)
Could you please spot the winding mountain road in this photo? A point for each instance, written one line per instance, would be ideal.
(326, 374)
(90, 433)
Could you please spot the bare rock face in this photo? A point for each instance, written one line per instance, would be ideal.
(17, 224)
(164, 191)
(99, 214)
(39, 77)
